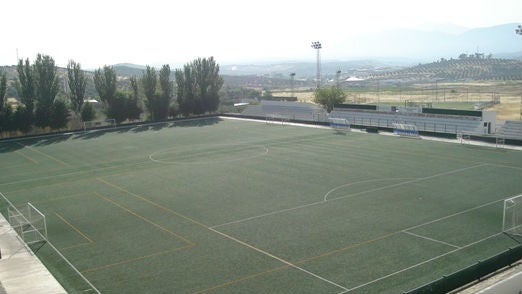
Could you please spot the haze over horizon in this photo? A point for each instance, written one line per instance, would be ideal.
(154, 32)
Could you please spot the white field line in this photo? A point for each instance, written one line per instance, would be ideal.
(419, 264)
(505, 166)
(265, 148)
(277, 258)
(268, 214)
(325, 198)
(411, 181)
(454, 214)
(286, 123)
(454, 141)
(431, 239)
(346, 196)
(76, 173)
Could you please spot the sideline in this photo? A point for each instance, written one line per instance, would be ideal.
(429, 138)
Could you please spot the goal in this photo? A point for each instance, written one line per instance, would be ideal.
(406, 130)
(98, 124)
(29, 223)
(340, 124)
(276, 118)
(512, 223)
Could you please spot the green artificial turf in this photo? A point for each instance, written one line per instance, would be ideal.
(227, 206)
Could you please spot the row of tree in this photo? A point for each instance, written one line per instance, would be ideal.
(198, 84)
(37, 87)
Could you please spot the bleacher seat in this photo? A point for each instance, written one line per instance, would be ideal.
(511, 130)
(288, 110)
(423, 122)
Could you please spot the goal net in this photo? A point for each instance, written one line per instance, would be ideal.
(275, 118)
(512, 223)
(29, 223)
(464, 138)
(339, 124)
(96, 124)
(405, 130)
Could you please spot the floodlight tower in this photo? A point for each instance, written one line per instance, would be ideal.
(292, 81)
(317, 46)
(338, 78)
(518, 30)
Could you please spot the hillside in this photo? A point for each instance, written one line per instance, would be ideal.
(425, 45)
(462, 69)
(458, 70)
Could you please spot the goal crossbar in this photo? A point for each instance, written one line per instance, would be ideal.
(92, 124)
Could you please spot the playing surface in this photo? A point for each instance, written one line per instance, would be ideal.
(226, 206)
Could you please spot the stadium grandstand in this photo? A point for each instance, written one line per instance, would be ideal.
(434, 120)
(428, 121)
(289, 110)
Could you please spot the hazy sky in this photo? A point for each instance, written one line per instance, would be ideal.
(98, 32)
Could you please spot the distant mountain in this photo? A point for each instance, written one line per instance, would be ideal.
(308, 69)
(429, 45)
(128, 69)
(130, 65)
(448, 28)
(468, 68)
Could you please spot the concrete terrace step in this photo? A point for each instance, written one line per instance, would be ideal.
(21, 271)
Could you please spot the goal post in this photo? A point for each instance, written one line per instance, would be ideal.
(512, 217)
(275, 118)
(95, 124)
(29, 223)
(406, 130)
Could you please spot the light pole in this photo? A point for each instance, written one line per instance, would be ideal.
(292, 80)
(338, 78)
(518, 30)
(317, 46)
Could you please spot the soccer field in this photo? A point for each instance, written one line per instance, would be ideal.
(228, 206)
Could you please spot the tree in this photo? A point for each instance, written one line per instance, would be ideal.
(164, 97)
(208, 83)
(22, 119)
(329, 96)
(59, 115)
(105, 83)
(118, 107)
(46, 85)
(25, 85)
(77, 82)
(198, 86)
(186, 89)
(148, 81)
(133, 108)
(7, 119)
(88, 112)
(3, 88)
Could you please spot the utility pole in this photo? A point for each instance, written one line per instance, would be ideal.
(378, 91)
(337, 78)
(317, 46)
(519, 32)
(292, 81)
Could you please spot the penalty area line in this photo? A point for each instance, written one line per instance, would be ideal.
(419, 264)
(278, 259)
